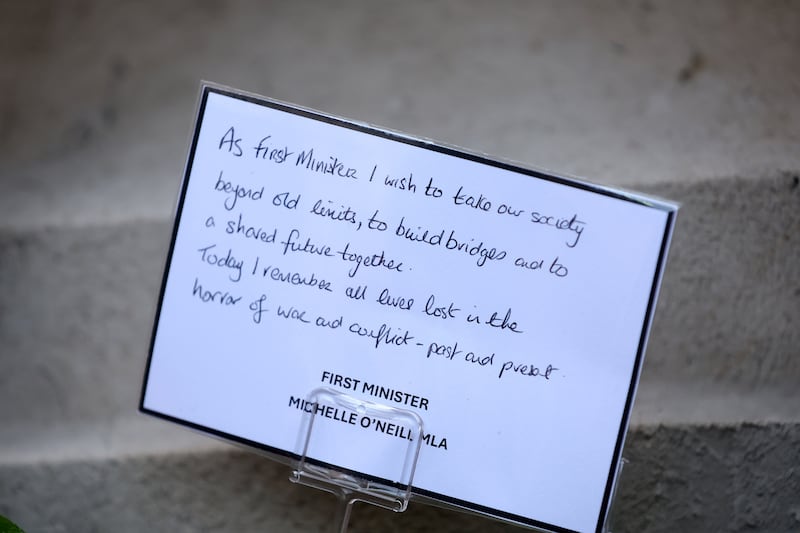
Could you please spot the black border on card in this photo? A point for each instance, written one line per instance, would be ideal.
(670, 209)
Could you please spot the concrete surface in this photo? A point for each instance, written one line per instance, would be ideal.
(698, 102)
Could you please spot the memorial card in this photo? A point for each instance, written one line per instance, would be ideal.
(508, 307)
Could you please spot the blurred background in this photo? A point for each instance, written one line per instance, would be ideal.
(698, 102)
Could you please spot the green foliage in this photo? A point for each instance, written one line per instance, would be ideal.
(7, 526)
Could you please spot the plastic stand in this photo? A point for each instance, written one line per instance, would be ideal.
(609, 521)
(351, 487)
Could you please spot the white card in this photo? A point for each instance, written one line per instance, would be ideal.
(508, 307)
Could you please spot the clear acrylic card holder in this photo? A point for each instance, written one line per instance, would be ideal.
(392, 494)
(350, 486)
(612, 513)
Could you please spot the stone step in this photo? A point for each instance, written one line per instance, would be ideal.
(690, 101)
(78, 303)
(98, 98)
(726, 478)
(715, 428)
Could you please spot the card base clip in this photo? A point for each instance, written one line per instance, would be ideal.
(349, 486)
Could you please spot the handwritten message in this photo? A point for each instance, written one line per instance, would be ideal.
(506, 306)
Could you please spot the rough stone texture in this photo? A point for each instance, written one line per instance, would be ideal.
(697, 102)
(689, 478)
(731, 295)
